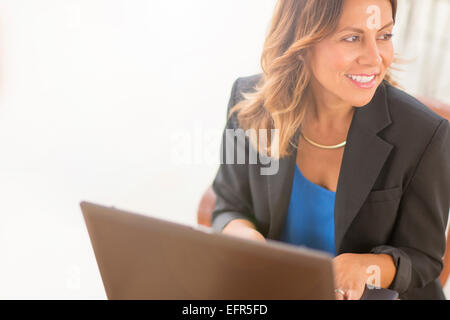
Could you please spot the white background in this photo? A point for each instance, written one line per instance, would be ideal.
(95, 97)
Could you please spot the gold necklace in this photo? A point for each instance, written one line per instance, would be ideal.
(322, 146)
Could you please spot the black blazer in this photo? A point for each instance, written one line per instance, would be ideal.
(393, 191)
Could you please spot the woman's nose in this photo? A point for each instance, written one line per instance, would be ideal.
(371, 54)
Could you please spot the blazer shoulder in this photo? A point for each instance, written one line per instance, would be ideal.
(407, 110)
(242, 85)
(247, 84)
(413, 126)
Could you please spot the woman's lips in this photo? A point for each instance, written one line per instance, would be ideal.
(363, 81)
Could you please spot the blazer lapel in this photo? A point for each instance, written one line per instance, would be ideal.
(363, 159)
(364, 156)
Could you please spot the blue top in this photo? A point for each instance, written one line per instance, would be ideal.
(310, 217)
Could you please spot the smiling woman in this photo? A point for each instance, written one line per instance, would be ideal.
(357, 55)
(364, 168)
(335, 48)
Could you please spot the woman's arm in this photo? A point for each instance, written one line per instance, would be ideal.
(418, 240)
(233, 208)
(413, 256)
(243, 229)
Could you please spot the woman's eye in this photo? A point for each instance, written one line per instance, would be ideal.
(387, 36)
(352, 39)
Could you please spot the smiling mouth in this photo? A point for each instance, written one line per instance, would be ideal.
(363, 79)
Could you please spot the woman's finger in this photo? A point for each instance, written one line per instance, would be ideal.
(353, 295)
(340, 294)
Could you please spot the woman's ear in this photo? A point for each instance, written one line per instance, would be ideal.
(306, 58)
(303, 55)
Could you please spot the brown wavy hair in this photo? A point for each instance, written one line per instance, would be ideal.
(282, 95)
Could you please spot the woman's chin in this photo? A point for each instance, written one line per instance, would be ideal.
(361, 101)
(360, 97)
(360, 104)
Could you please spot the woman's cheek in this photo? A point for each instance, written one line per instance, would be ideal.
(388, 59)
(343, 58)
(388, 56)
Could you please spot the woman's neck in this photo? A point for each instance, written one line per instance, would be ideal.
(328, 112)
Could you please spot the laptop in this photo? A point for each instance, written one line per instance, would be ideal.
(146, 258)
(143, 257)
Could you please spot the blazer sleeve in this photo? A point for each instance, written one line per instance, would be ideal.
(231, 184)
(417, 242)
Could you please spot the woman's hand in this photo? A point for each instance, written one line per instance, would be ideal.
(243, 229)
(350, 276)
(352, 271)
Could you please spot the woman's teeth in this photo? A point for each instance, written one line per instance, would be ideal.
(361, 79)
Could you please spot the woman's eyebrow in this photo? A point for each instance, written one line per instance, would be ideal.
(362, 31)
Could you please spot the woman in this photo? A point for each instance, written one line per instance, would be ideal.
(363, 167)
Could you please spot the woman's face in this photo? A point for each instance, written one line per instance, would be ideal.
(351, 63)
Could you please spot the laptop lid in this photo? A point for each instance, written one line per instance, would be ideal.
(143, 257)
